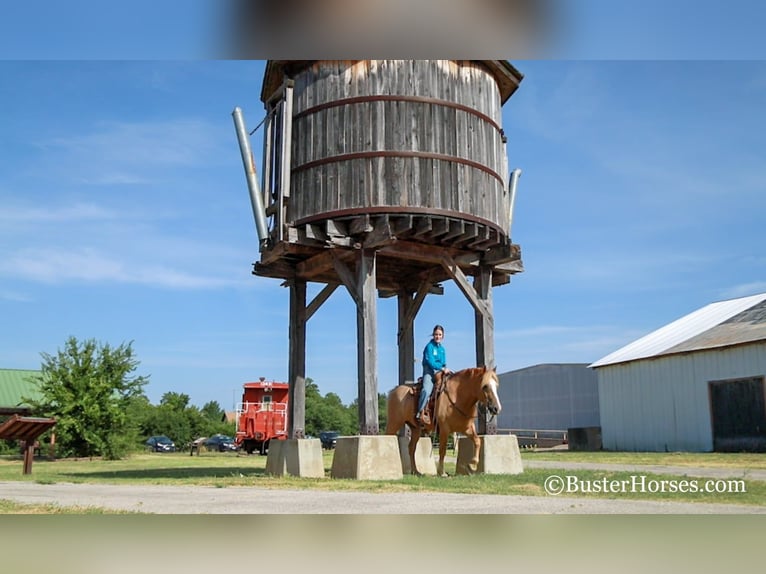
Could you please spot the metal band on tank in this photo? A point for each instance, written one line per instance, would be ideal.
(399, 98)
(400, 154)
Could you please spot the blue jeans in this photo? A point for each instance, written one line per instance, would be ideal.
(428, 386)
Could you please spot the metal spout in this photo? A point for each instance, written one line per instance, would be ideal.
(515, 175)
(256, 199)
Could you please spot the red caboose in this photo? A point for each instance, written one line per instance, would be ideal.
(262, 415)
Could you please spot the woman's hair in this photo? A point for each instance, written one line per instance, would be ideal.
(438, 328)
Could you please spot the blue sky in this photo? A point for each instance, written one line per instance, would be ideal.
(124, 216)
(124, 213)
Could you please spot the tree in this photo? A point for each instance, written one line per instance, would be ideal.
(88, 388)
(212, 410)
(327, 413)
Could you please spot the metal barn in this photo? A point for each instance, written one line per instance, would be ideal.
(549, 397)
(696, 384)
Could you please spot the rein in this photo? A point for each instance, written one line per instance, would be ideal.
(457, 408)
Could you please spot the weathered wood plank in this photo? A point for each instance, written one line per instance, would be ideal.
(367, 347)
(297, 362)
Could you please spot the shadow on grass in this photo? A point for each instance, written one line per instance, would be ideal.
(170, 473)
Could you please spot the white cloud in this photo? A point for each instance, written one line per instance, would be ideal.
(60, 214)
(55, 266)
(137, 153)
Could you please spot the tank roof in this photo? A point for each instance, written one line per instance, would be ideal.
(507, 76)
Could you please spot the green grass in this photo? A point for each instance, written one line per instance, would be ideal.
(10, 507)
(233, 471)
(752, 461)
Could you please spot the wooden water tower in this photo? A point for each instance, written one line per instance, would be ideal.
(388, 177)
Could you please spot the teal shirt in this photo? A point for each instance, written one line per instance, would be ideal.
(434, 357)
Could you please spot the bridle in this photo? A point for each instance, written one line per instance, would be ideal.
(479, 407)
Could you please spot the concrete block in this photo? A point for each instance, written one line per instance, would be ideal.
(367, 458)
(296, 457)
(424, 455)
(276, 465)
(499, 455)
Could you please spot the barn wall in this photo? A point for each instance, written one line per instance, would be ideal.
(549, 397)
(662, 404)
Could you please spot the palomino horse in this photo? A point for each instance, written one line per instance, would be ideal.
(454, 411)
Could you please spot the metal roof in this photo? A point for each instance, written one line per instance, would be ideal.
(719, 324)
(507, 76)
(15, 384)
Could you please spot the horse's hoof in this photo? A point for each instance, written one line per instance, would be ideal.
(444, 475)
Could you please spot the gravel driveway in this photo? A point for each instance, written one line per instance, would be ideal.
(245, 500)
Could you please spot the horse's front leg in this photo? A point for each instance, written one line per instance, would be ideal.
(473, 466)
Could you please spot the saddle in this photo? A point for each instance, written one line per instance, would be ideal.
(427, 416)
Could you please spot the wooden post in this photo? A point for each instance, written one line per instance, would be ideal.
(367, 347)
(406, 338)
(485, 336)
(296, 425)
(29, 455)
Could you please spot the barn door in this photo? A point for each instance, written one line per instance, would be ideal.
(738, 411)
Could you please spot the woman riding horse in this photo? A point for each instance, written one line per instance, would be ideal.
(456, 408)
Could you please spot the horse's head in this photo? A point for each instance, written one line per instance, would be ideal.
(490, 398)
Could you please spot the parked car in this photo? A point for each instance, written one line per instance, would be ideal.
(160, 443)
(329, 439)
(221, 443)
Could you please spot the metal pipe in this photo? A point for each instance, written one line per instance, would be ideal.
(515, 175)
(256, 199)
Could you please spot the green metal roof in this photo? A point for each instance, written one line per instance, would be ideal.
(15, 384)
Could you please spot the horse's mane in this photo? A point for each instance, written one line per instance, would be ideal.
(470, 372)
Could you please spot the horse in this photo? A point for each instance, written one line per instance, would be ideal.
(454, 411)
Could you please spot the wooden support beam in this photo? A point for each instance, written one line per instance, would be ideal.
(503, 253)
(440, 227)
(381, 234)
(471, 232)
(461, 280)
(482, 236)
(296, 425)
(405, 338)
(485, 337)
(316, 265)
(417, 252)
(336, 228)
(346, 276)
(274, 254)
(321, 297)
(423, 226)
(367, 347)
(277, 269)
(456, 229)
(315, 232)
(402, 224)
(360, 224)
